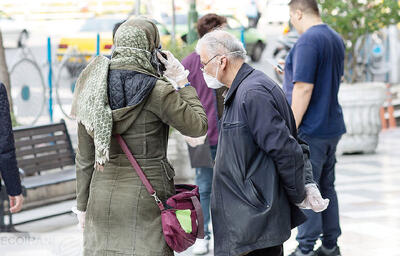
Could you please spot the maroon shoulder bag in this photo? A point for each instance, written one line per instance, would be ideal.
(186, 198)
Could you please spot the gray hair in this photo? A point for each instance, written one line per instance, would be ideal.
(221, 42)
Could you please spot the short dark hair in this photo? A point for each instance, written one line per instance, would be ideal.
(209, 22)
(310, 6)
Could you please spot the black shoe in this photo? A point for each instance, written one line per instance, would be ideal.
(298, 252)
(322, 251)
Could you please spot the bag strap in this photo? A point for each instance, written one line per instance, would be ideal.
(139, 171)
(200, 217)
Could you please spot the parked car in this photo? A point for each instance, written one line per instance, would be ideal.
(15, 33)
(85, 42)
(254, 42)
(277, 11)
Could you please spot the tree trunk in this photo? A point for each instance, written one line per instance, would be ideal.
(4, 75)
(137, 8)
(173, 31)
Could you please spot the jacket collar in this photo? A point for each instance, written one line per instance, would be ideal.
(244, 71)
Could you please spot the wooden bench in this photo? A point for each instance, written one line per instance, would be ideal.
(46, 160)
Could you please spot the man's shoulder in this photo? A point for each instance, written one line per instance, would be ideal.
(258, 80)
(257, 85)
(319, 32)
(310, 38)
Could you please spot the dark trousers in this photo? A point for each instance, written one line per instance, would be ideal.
(323, 160)
(271, 251)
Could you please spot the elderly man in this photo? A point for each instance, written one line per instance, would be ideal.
(259, 173)
(202, 150)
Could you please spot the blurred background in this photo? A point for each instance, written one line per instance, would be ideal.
(78, 30)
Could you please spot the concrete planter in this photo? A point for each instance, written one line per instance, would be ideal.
(361, 103)
(179, 157)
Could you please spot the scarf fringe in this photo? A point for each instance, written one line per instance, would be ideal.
(102, 154)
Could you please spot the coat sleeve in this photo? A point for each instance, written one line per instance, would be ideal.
(271, 133)
(8, 162)
(180, 109)
(84, 162)
(308, 173)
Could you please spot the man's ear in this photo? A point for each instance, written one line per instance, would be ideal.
(224, 62)
(299, 14)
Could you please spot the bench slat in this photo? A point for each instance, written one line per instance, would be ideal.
(46, 149)
(38, 130)
(47, 139)
(29, 170)
(49, 179)
(44, 159)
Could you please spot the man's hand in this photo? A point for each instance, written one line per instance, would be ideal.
(282, 65)
(16, 203)
(314, 200)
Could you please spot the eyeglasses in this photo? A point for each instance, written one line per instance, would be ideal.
(205, 64)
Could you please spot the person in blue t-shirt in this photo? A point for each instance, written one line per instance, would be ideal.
(313, 72)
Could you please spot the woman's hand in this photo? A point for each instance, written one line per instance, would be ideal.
(81, 217)
(194, 142)
(175, 72)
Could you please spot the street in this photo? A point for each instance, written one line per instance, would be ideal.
(369, 200)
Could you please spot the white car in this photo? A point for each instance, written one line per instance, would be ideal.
(277, 11)
(14, 32)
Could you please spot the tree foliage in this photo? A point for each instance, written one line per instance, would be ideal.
(354, 19)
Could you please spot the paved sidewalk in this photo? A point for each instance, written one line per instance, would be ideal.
(369, 197)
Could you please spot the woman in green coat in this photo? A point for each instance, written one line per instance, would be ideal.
(127, 95)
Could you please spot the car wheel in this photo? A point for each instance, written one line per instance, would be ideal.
(23, 38)
(257, 52)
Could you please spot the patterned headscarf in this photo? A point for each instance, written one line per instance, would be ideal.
(135, 41)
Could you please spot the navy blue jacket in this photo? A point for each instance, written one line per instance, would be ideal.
(259, 173)
(8, 163)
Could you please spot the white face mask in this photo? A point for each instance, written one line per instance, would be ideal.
(212, 82)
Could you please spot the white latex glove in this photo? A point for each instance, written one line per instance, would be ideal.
(81, 217)
(194, 142)
(314, 200)
(175, 72)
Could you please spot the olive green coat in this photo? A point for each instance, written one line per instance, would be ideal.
(121, 217)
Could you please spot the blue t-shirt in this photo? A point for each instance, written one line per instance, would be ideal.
(318, 58)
